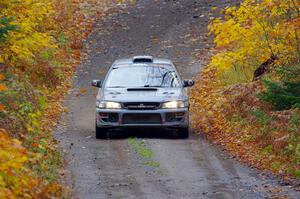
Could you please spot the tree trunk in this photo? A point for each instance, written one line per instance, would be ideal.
(263, 68)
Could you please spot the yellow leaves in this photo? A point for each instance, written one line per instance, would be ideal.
(230, 10)
(26, 47)
(35, 56)
(15, 180)
(32, 36)
(210, 113)
(247, 36)
(29, 128)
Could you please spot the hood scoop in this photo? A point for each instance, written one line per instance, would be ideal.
(142, 89)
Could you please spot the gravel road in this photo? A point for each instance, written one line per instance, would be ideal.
(190, 168)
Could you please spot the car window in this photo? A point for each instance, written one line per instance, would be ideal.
(142, 76)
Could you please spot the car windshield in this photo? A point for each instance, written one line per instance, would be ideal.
(142, 76)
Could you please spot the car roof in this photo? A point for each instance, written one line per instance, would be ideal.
(131, 61)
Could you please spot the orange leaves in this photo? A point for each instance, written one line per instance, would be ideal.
(205, 110)
(2, 107)
(83, 90)
(2, 88)
(225, 115)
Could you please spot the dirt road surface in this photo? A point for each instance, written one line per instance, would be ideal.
(190, 168)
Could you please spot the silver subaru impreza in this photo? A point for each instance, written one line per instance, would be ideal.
(142, 92)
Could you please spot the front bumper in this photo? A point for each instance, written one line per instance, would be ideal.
(118, 118)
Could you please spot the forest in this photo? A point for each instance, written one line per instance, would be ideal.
(246, 99)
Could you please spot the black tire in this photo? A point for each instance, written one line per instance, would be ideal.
(101, 133)
(183, 133)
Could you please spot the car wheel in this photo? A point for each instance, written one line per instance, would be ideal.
(183, 133)
(101, 133)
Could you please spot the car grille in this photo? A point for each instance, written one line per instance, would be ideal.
(141, 105)
(150, 118)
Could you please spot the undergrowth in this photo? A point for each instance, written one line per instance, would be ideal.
(256, 119)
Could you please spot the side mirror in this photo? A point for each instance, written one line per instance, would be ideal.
(97, 83)
(188, 83)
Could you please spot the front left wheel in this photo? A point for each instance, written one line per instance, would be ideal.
(101, 133)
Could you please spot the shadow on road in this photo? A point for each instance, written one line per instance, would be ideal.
(143, 133)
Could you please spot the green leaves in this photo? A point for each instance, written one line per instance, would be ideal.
(284, 94)
(261, 117)
(5, 27)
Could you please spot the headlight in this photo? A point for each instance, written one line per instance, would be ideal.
(174, 104)
(108, 105)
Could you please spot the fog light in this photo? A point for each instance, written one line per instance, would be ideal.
(105, 115)
(180, 114)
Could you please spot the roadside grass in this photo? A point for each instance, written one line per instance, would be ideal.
(143, 151)
(46, 159)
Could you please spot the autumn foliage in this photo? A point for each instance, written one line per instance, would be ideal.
(241, 114)
(251, 34)
(40, 46)
(15, 178)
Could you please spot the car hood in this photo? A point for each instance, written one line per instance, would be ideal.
(159, 95)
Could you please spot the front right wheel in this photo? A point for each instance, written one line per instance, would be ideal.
(183, 133)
